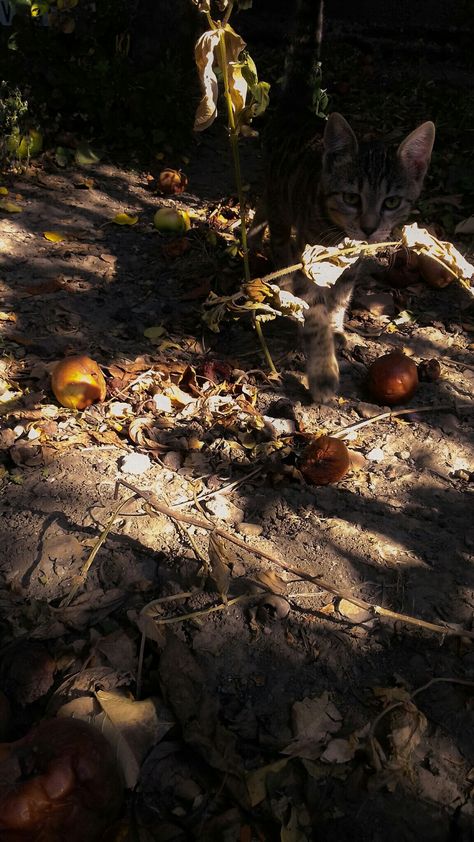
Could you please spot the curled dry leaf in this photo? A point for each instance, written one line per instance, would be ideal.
(325, 265)
(142, 432)
(267, 301)
(204, 55)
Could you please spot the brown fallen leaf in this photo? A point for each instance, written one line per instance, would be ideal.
(44, 287)
(220, 557)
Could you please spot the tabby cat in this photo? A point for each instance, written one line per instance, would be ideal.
(323, 185)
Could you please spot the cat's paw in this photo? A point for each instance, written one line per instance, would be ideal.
(323, 386)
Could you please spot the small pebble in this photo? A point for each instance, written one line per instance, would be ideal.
(135, 463)
(251, 530)
(376, 455)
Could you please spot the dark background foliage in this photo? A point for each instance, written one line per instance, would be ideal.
(121, 72)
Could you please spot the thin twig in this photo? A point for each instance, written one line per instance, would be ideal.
(445, 407)
(95, 549)
(407, 619)
(224, 489)
(179, 618)
(449, 361)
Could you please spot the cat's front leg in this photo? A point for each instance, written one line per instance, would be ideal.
(321, 364)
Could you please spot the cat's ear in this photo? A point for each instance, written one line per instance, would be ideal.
(338, 135)
(415, 151)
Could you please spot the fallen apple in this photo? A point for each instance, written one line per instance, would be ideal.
(170, 219)
(77, 382)
(325, 460)
(392, 379)
(172, 181)
(59, 782)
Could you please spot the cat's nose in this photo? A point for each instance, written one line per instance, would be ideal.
(368, 228)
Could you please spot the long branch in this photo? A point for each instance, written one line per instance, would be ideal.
(407, 619)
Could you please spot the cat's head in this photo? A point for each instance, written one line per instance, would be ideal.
(367, 188)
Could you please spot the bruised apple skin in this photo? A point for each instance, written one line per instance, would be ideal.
(77, 382)
(325, 460)
(59, 783)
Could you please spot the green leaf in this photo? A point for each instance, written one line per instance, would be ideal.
(85, 156)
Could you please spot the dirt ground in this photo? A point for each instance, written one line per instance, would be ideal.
(274, 700)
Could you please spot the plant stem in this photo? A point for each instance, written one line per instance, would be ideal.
(234, 145)
(258, 328)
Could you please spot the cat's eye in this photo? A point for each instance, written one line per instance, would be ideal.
(392, 202)
(351, 199)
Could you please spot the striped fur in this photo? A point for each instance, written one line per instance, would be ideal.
(323, 185)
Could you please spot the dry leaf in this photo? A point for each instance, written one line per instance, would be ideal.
(219, 557)
(133, 728)
(314, 720)
(55, 236)
(204, 55)
(125, 219)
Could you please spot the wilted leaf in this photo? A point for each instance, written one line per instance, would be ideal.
(125, 219)
(272, 581)
(204, 55)
(237, 83)
(3, 191)
(423, 242)
(203, 5)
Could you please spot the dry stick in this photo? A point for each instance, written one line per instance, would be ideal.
(445, 407)
(95, 549)
(449, 361)
(153, 501)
